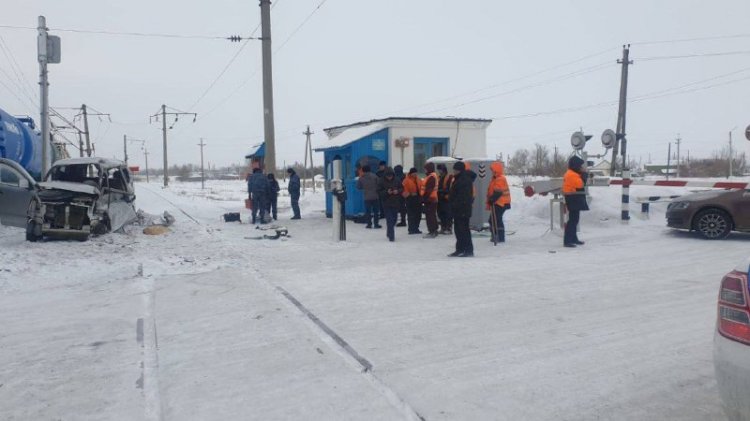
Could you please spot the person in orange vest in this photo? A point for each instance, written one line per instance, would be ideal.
(444, 209)
(498, 201)
(413, 203)
(574, 191)
(430, 199)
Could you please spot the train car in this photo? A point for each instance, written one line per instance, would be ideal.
(22, 143)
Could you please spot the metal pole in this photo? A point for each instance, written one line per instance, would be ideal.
(268, 125)
(203, 173)
(43, 91)
(622, 111)
(80, 144)
(86, 129)
(678, 156)
(307, 143)
(669, 158)
(730, 154)
(125, 146)
(145, 153)
(312, 165)
(164, 139)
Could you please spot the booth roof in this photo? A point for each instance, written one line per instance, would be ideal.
(351, 135)
(255, 150)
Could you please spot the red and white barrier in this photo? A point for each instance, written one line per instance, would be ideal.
(554, 185)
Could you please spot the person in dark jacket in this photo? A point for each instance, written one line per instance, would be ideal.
(390, 194)
(444, 210)
(273, 196)
(294, 191)
(461, 200)
(380, 173)
(257, 186)
(399, 174)
(574, 191)
(368, 184)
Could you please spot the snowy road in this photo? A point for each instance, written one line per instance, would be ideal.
(618, 329)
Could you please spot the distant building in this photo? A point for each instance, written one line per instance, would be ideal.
(406, 141)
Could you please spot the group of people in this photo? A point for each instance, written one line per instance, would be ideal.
(263, 191)
(445, 198)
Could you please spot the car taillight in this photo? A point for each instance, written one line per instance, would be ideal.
(734, 312)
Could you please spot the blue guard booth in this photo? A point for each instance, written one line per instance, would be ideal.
(369, 149)
(254, 158)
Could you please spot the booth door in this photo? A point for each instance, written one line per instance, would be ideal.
(428, 147)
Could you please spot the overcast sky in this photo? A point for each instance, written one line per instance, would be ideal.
(512, 61)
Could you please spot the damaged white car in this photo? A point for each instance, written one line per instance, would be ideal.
(79, 197)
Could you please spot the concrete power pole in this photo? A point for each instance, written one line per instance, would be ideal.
(163, 115)
(84, 111)
(308, 152)
(622, 143)
(203, 173)
(145, 154)
(164, 142)
(125, 147)
(42, 45)
(268, 126)
(678, 141)
(731, 154)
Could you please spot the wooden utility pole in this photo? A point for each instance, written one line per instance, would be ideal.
(622, 142)
(268, 124)
(163, 115)
(678, 141)
(203, 173)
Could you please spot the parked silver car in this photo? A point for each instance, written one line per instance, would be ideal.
(732, 343)
(79, 197)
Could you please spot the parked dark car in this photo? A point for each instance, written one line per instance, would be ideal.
(713, 214)
(79, 197)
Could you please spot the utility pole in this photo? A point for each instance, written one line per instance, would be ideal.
(163, 115)
(80, 144)
(86, 129)
(145, 153)
(731, 154)
(669, 158)
(621, 142)
(44, 90)
(125, 147)
(203, 173)
(678, 155)
(308, 151)
(268, 125)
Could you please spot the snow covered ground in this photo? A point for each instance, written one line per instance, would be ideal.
(204, 323)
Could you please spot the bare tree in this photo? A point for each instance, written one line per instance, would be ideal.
(519, 163)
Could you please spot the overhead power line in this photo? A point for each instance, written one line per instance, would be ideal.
(233, 38)
(718, 54)
(682, 40)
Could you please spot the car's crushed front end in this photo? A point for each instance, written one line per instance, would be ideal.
(67, 210)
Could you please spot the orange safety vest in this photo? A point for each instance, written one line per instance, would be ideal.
(411, 185)
(572, 183)
(498, 183)
(434, 193)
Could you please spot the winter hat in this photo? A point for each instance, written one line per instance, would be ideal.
(398, 169)
(429, 167)
(459, 165)
(289, 171)
(382, 163)
(442, 167)
(389, 172)
(575, 163)
(413, 170)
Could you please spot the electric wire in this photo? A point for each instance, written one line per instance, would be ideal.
(699, 55)
(709, 38)
(132, 34)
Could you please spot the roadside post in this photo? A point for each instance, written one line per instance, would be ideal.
(339, 200)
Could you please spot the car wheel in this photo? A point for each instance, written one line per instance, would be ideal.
(712, 224)
(103, 226)
(33, 228)
(33, 231)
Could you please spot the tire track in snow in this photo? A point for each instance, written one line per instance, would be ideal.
(147, 340)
